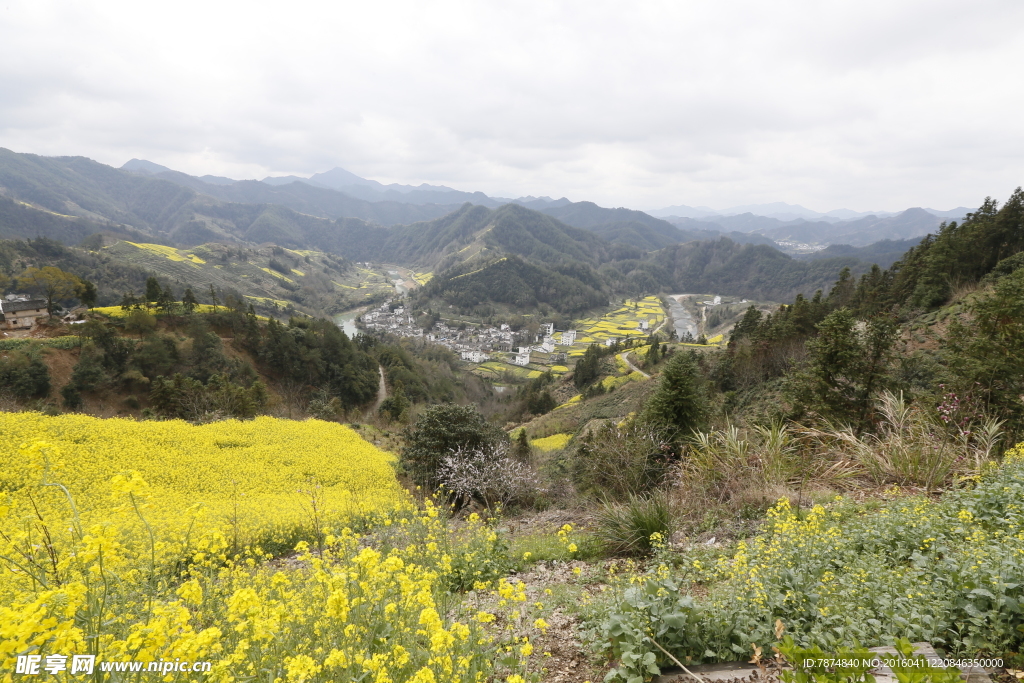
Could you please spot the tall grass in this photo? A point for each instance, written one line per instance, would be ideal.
(627, 528)
(912, 448)
(739, 467)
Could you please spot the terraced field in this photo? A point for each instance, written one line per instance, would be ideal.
(334, 281)
(622, 323)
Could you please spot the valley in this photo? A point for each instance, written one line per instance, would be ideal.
(592, 414)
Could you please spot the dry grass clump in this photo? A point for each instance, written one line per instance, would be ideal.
(742, 472)
(910, 448)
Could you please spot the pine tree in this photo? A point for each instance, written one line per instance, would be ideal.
(129, 301)
(588, 367)
(653, 353)
(165, 302)
(847, 367)
(153, 291)
(189, 301)
(523, 448)
(86, 293)
(681, 401)
(987, 358)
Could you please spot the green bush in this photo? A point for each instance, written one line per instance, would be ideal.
(636, 527)
(24, 374)
(616, 463)
(441, 430)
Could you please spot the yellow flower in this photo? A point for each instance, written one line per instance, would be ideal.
(300, 668)
(191, 591)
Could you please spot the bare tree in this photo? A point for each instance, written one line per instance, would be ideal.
(492, 475)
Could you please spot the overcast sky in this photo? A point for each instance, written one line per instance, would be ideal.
(867, 105)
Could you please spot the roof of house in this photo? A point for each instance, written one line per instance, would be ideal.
(15, 306)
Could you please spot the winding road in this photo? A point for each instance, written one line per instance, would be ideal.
(625, 359)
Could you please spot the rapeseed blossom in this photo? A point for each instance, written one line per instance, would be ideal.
(273, 549)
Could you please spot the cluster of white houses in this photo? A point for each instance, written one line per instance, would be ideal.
(474, 345)
(20, 312)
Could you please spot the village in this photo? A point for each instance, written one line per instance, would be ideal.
(474, 344)
(547, 346)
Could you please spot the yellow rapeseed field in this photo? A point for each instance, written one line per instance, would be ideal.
(551, 443)
(156, 542)
(622, 323)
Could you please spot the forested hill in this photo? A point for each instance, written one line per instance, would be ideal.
(315, 201)
(178, 213)
(468, 232)
(638, 229)
(989, 240)
(19, 220)
(569, 288)
(755, 271)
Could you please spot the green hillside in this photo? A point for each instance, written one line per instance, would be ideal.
(520, 285)
(274, 280)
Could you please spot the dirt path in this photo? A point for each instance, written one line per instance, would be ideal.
(382, 393)
(625, 359)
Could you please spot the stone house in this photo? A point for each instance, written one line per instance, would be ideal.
(21, 314)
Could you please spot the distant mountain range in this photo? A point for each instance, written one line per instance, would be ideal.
(789, 212)
(339, 193)
(81, 197)
(340, 180)
(531, 252)
(789, 235)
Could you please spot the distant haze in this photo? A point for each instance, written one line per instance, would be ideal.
(865, 105)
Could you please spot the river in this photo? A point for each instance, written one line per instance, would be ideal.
(681, 318)
(347, 321)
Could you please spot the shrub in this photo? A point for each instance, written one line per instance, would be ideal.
(492, 475)
(618, 462)
(71, 396)
(189, 399)
(89, 373)
(637, 526)
(439, 431)
(140, 322)
(25, 374)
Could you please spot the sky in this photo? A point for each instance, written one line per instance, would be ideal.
(866, 105)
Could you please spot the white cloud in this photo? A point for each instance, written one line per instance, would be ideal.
(865, 105)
